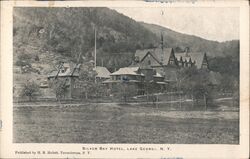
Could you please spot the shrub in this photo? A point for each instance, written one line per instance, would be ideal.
(30, 90)
(25, 57)
(60, 88)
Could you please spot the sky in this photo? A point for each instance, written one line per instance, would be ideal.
(218, 24)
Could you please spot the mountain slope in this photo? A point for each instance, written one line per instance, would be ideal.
(70, 32)
(179, 41)
(62, 34)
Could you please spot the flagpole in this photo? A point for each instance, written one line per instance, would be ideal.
(162, 47)
(95, 52)
(95, 47)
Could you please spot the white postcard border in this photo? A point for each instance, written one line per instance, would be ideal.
(176, 150)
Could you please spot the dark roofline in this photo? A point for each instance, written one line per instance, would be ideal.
(152, 56)
(74, 69)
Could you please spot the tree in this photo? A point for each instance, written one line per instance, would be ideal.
(225, 65)
(228, 84)
(195, 82)
(30, 90)
(60, 87)
(124, 91)
(149, 90)
(87, 75)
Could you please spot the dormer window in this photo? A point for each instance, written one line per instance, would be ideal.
(204, 65)
(171, 62)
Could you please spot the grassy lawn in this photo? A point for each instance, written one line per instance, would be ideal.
(92, 123)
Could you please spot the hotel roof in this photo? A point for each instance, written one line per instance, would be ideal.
(102, 72)
(127, 71)
(158, 53)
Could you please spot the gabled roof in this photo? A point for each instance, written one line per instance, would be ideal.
(141, 66)
(166, 54)
(127, 71)
(69, 70)
(142, 53)
(158, 53)
(196, 57)
(66, 65)
(179, 57)
(102, 72)
(183, 57)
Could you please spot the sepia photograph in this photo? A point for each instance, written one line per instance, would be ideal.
(126, 75)
(111, 75)
(164, 79)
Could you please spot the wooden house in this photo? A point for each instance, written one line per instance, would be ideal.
(166, 61)
(70, 74)
(139, 77)
(102, 73)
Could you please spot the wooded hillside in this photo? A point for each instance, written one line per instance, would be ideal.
(55, 34)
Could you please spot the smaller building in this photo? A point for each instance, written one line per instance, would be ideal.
(65, 70)
(102, 73)
(131, 76)
(139, 77)
(70, 73)
(126, 74)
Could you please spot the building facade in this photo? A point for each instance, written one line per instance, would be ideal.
(166, 62)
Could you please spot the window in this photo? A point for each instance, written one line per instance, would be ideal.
(204, 65)
(149, 62)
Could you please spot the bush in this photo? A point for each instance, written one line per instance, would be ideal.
(30, 90)
(22, 63)
(124, 91)
(197, 83)
(60, 88)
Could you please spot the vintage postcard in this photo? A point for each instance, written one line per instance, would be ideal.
(125, 79)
